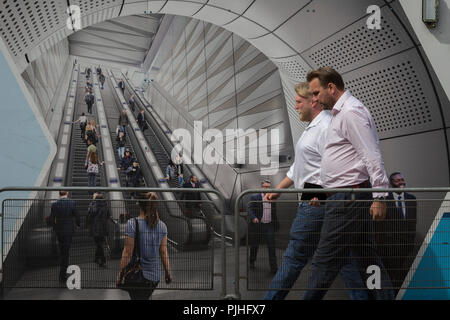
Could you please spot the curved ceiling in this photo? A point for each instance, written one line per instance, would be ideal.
(124, 40)
(385, 68)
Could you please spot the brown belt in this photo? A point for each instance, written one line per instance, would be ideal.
(364, 184)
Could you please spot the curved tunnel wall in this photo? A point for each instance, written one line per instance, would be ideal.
(385, 68)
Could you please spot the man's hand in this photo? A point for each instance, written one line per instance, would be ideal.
(255, 220)
(314, 202)
(271, 196)
(378, 210)
(168, 278)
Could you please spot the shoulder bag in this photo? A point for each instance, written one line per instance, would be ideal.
(132, 276)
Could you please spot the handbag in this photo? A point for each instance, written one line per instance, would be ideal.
(132, 276)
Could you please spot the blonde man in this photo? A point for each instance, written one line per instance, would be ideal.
(305, 229)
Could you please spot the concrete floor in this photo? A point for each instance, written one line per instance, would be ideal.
(186, 277)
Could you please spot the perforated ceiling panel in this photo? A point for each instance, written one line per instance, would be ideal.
(398, 94)
(357, 45)
(33, 27)
(25, 23)
(294, 66)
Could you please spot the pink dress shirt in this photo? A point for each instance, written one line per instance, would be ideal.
(352, 153)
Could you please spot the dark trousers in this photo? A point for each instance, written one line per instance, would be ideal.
(99, 252)
(143, 294)
(262, 233)
(64, 243)
(347, 228)
(89, 108)
(83, 131)
(304, 237)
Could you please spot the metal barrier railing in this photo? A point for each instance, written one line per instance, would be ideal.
(30, 243)
(414, 249)
(426, 261)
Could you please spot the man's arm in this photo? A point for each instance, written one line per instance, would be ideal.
(360, 131)
(284, 184)
(52, 216)
(251, 210)
(75, 214)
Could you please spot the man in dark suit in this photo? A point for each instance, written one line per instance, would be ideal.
(396, 234)
(121, 85)
(63, 213)
(262, 227)
(192, 208)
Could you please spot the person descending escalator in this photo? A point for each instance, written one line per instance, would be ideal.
(120, 143)
(132, 103)
(126, 165)
(83, 121)
(89, 99)
(98, 216)
(135, 177)
(102, 78)
(90, 134)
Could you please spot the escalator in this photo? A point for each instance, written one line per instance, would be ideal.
(197, 232)
(162, 148)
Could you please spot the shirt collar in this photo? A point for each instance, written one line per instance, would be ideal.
(316, 120)
(401, 194)
(340, 103)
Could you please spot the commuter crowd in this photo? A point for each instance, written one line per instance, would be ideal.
(339, 233)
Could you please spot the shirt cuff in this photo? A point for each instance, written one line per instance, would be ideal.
(379, 194)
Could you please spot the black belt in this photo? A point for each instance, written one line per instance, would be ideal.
(364, 184)
(309, 195)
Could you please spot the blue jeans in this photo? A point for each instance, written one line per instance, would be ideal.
(121, 152)
(124, 130)
(347, 229)
(92, 180)
(304, 237)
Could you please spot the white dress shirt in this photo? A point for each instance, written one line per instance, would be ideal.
(267, 211)
(308, 152)
(352, 153)
(400, 198)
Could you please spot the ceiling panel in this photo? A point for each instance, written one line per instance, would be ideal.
(398, 93)
(356, 45)
(309, 26)
(215, 15)
(126, 39)
(272, 14)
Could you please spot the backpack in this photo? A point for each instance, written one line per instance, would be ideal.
(87, 99)
(91, 136)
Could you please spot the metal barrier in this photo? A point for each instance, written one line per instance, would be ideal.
(414, 249)
(29, 243)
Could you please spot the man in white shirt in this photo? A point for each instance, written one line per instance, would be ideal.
(351, 159)
(305, 229)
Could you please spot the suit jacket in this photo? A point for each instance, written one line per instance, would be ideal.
(255, 210)
(191, 195)
(63, 213)
(395, 231)
(141, 119)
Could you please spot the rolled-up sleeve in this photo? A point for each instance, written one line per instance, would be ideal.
(359, 128)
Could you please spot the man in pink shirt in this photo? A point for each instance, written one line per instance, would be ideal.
(351, 159)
